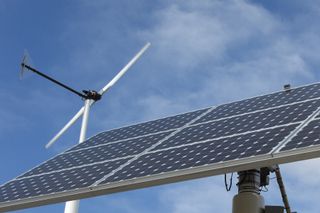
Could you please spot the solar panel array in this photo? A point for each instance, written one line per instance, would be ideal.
(151, 152)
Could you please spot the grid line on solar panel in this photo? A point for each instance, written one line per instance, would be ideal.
(159, 142)
(156, 149)
(261, 102)
(21, 177)
(141, 129)
(118, 141)
(72, 179)
(300, 128)
(256, 111)
(243, 123)
(307, 137)
(202, 154)
(96, 154)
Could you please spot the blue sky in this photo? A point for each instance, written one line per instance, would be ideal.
(203, 53)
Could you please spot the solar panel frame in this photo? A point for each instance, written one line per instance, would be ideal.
(169, 177)
(275, 157)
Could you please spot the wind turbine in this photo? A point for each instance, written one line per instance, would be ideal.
(89, 97)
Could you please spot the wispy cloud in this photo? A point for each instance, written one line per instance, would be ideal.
(223, 51)
(301, 179)
(189, 33)
(204, 196)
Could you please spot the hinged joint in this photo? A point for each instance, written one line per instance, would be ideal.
(92, 95)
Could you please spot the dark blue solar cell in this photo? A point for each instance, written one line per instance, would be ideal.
(142, 129)
(97, 154)
(243, 123)
(263, 102)
(199, 154)
(54, 182)
(308, 136)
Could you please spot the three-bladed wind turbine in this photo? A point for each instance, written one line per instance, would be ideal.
(89, 97)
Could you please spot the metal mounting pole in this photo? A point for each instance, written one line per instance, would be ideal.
(73, 206)
(282, 190)
(248, 199)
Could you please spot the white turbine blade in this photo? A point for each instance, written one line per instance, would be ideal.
(66, 127)
(124, 69)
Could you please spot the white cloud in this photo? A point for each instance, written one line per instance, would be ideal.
(205, 196)
(190, 33)
(303, 172)
(230, 49)
(158, 106)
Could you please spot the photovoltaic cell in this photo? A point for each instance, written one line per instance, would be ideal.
(308, 136)
(243, 123)
(264, 102)
(71, 179)
(139, 130)
(98, 154)
(205, 153)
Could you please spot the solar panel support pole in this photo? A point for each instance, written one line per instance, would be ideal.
(282, 190)
(248, 199)
(73, 206)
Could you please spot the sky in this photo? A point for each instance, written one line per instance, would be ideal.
(203, 53)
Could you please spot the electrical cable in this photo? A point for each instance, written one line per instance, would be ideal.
(228, 187)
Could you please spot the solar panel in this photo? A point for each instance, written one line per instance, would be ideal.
(243, 123)
(261, 131)
(200, 153)
(308, 136)
(264, 102)
(142, 129)
(97, 154)
(66, 179)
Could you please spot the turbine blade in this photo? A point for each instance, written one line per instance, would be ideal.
(65, 128)
(124, 69)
